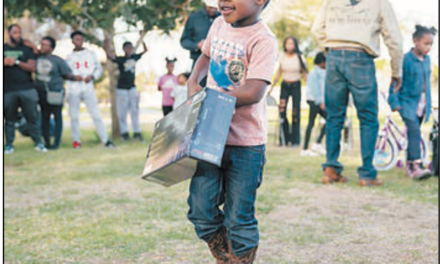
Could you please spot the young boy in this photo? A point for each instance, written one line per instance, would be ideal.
(240, 54)
(315, 99)
(86, 68)
(127, 96)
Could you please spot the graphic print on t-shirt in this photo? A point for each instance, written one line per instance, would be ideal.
(227, 66)
(130, 65)
(13, 53)
(44, 67)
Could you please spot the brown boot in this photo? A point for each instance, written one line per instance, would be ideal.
(370, 183)
(331, 176)
(220, 246)
(247, 258)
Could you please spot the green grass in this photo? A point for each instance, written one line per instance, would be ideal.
(91, 206)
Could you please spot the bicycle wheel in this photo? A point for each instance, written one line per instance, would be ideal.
(386, 154)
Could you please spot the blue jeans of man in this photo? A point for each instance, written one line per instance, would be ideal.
(351, 72)
(234, 185)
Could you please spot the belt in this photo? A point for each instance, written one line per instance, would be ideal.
(350, 49)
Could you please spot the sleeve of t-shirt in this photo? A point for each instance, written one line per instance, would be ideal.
(137, 57)
(263, 59)
(206, 48)
(29, 55)
(63, 67)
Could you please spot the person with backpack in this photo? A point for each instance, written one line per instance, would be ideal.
(50, 73)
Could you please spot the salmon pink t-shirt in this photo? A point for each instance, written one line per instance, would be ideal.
(167, 83)
(237, 55)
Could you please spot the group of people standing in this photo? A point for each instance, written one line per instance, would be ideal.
(80, 69)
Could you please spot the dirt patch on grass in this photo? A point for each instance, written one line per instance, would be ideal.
(328, 224)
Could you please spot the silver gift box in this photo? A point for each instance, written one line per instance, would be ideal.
(195, 131)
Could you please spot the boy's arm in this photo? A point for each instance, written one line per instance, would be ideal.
(200, 71)
(250, 93)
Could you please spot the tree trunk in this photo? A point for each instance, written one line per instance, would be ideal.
(112, 74)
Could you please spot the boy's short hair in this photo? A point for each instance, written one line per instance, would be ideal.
(185, 74)
(76, 32)
(266, 4)
(51, 40)
(320, 58)
(421, 30)
(126, 44)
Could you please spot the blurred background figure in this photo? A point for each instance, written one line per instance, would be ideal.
(196, 30)
(19, 90)
(127, 95)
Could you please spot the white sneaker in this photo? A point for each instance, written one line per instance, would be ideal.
(308, 153)
(9, 150)
(319, 148)
(40, 148)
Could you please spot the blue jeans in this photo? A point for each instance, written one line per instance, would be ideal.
(235, 186)
(351, 72)
(414, 137)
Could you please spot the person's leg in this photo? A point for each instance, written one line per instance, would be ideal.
(313, 111)
(10, 109)
(29, 106)
(296, 113)
(322, 113)
(92, 106)
(284, 98)
(166, 110)
(206, 195)
(122, 103)
(74, 99)
(243, 175)
(361, 74)
(134, 110)
(336, 98)
(414, 135)
(45, 121)
(58, 116)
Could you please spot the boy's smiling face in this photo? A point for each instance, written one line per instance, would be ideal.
(241, 13)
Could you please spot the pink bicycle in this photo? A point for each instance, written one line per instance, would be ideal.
(391, 140)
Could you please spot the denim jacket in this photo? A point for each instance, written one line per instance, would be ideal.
(416, 75)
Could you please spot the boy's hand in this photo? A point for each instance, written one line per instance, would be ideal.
(322, 106)
(397, 109)
(193, 87)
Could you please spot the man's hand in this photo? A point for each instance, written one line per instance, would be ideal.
(398, 82)
(322, 106)
(31, 45)
(200, 44)
(8, 61)
(397, 109)
(88, 78)
(78, 78)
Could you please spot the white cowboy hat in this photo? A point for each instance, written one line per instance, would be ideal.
(211, 3)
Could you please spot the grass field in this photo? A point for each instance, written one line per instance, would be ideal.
(90, 206)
